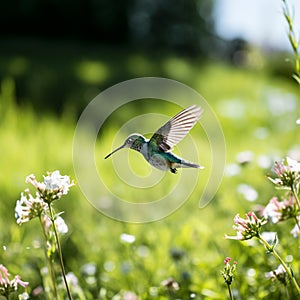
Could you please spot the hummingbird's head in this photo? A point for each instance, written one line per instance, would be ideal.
(133, 141)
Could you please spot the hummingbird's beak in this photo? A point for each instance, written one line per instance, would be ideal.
(107, 156)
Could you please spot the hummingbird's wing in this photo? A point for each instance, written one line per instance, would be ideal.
(167, 136)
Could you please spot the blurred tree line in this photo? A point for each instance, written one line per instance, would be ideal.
(62, 53)
(185, 26)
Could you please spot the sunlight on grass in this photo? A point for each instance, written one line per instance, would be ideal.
(93, 72)
(177, 68)
(137, 64)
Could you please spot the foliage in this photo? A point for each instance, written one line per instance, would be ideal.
(159, 25)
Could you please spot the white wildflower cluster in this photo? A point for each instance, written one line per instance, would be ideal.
(29, 207)
(52, 188)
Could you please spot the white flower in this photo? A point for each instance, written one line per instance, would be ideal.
(293, 164)
(245, 157)
(22, 210)
(232, 170)
(248, 192)
(28, 208)
(56, 182)
(61, 226)
(89, 269)
(296, 230)
(269, 236)
(59, 222)
(24, 296)
(127, 238)
(279, 272)
(72, 279)
(54, 186)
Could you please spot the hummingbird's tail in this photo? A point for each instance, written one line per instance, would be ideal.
(188, 164)
(183, 164)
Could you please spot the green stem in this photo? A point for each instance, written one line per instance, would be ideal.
(287, 292)
(59, 252)
(50, 261)
(287, 269)
(293, 39)
(229, 291)
(295, 193)
(297, 222)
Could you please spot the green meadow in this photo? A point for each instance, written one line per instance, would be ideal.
(257, 109)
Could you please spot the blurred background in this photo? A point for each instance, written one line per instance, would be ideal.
(56, 56)
(60, 53)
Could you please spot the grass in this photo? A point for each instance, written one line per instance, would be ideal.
(257, 113)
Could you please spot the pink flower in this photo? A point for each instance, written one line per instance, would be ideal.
(17, 281)
(229, 270)
(246, 228)
(4, 276)
(288, 173)
(8, 286)
(130, 296)
(32, 180)
(170, 283)
(277, 211)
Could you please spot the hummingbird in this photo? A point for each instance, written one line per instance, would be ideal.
(157, 150)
